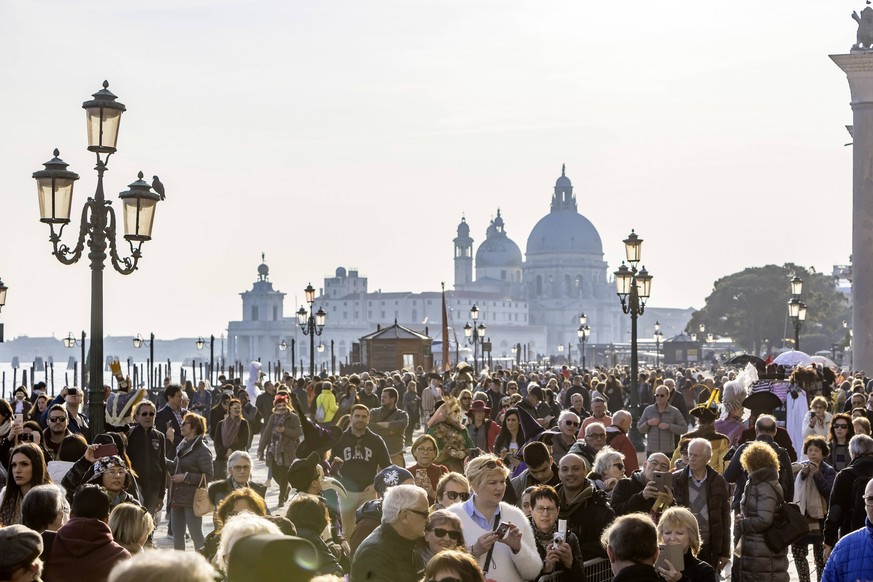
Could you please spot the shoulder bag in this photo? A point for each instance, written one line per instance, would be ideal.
(202, 504)
(789, 525)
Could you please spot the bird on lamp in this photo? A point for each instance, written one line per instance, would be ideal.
(158, 186)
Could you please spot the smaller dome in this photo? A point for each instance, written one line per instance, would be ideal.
(340, 272)
(563, 183)
(463, 228)
(498, 250)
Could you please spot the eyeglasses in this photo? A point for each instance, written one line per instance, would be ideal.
(453, 534)
(242, 467)
(425, 450)
(58, 418)
(540, 509)
(571, 423)
(116, 472)
(843, 426)
(418, 512)
(619, 466)
(453, 495)
(147, 413)
(660, 395)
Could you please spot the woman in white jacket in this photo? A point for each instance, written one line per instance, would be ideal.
(513, 555)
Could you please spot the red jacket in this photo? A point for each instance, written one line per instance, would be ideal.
(83, 550)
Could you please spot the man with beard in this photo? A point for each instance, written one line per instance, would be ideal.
(583, 506)
(57, 430)
(357, 457)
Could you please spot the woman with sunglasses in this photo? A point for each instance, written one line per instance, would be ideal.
(559, 550)
(501, 537)
(191, 468)
(452, 488)
(607, 470)
(842, 431)
(568, 428)
(453, 566)
(442, 533)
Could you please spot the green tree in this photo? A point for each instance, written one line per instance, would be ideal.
(752, 308)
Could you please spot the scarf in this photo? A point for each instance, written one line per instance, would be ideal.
(5, 428)
(229, 430)
(808, 498)
(543, 539)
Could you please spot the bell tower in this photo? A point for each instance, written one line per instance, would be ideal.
(463, 255)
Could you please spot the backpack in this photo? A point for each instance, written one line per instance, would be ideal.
(859, 511)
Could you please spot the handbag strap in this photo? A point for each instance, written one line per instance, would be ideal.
(491, 550)
(202, 481)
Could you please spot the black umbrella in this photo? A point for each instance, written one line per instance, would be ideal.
(744, 359)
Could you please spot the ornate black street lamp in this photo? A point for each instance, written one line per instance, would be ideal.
(584, 332)
(201, 343)
(138, 342)
(97, 225)
(475, 336)
(658, 336)
(797, 309)
(633, 289)
(70, 341)
(312, 325)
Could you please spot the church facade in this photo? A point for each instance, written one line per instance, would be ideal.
(533, 300)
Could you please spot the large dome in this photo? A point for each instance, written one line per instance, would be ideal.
(564, 230)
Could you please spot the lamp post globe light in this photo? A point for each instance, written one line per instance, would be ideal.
(796, 308)
(475, 336)
(584, 332)
(633, 288)
(97, 225)
(201, 343)
(312, 324)
(658, 336)
(138, 342)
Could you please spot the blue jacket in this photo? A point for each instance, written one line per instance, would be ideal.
(852, 558)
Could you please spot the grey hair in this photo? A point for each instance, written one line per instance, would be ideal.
(236, 455)
(593, 425)
(861, 444)
(568, 414)
(398, 498)
(164, 566)
(605, 458)
(41, 506)
(701, 441)
(238, 527)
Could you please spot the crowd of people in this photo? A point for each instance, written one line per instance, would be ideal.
(511, 475)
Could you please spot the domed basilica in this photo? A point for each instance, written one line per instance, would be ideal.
(562, 276)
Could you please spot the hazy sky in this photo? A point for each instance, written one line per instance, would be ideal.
(347, 133)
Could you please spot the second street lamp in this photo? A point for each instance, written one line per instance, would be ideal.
(475, 336)
(633, 288)
(796, 308)
(658, 336)
(201, 343)
(97, 227)
(584, 332)
(138, 341)
(312, 324)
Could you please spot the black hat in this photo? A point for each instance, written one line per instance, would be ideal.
(272, 558)
(705, 413)
(762, 398)
(303, 471)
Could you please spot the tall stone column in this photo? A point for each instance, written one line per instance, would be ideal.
(858, 66)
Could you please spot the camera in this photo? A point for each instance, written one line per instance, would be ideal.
(502, 529)
(557, 540)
